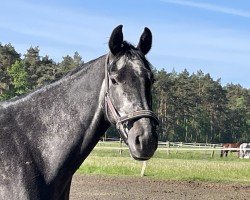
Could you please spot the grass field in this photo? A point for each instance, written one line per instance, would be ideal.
(181, 165)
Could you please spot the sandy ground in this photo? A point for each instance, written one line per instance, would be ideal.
(92, 187)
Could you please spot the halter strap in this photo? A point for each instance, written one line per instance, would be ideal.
(120, 120)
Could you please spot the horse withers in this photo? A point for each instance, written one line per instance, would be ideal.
(46, 135)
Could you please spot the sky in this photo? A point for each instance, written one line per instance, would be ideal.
(208, 35)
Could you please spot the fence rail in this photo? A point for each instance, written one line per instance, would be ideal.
(170, 146)
(174, 148)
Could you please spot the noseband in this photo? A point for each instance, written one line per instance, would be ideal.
(120, 121)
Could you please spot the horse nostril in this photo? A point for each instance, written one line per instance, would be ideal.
(137, 140)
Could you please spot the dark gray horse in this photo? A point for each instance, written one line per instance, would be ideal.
(46, 135)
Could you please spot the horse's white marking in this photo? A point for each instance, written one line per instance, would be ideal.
(127, 104)
(135, 62)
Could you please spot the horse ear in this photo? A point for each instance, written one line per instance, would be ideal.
(116, 40)
(145, 42)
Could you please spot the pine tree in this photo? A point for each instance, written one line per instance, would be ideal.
(32, 61)
(46, 71)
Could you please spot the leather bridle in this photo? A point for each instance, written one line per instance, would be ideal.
(120, 121)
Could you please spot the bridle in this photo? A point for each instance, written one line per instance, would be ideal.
(120, 121)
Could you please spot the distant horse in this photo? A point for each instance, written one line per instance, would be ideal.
(245, 150)
(226, 148)
(46, 135)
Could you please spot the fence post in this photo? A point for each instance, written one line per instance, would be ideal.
(168, 146)
(144, 164)
(176, 151)
(212, 154)
(104, 138)
(178, 146)
(120, 147)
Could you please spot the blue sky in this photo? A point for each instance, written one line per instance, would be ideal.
(211, 35)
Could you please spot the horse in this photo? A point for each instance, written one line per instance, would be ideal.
(245, 150)
(226, 148)
(46, 135)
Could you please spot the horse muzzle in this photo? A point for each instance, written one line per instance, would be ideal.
(142, 139)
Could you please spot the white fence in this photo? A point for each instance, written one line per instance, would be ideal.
(172, 146)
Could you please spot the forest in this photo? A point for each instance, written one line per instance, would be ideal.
(191, 107)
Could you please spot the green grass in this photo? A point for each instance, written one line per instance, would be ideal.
(183, 165)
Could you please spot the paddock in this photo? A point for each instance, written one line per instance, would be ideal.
(175, 173)
(99, 187)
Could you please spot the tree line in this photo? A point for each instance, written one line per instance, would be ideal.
(196, 108)
(21, 75)
(191, 107)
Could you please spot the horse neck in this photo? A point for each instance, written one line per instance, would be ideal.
(89, 103)
(87, 124)
(68, 120)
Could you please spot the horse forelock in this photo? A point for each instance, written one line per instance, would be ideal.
(130, 55)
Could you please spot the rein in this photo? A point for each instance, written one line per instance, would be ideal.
(120, 121)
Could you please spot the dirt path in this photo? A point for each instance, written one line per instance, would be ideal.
(119, 188)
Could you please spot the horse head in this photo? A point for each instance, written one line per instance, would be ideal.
(128, 97)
